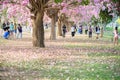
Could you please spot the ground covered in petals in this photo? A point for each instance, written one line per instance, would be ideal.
(77, 58)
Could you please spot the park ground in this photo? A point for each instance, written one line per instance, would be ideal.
(77, 58)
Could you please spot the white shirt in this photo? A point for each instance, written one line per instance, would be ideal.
(72, 29)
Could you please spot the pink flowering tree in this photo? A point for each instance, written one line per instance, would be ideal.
(80, 11)
(76, 10)
(86, 11)
(83, 12)
(29, 8)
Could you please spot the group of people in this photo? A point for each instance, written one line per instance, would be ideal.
(11, 30)
(73, 30)
(88, 30)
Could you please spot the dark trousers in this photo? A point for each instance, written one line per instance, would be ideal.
(90, 34)
(64, 33)
(86, 31)
(73, 34)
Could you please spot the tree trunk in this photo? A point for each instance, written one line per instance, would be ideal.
(53, 29)
(38, 30)
(69, 26)
(59, 28)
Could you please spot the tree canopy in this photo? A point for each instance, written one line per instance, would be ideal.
(82, 10)
(77, 11)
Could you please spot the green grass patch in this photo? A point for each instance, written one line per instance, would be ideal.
(78, 46)
(109, 28)
(71, 46)
(108, 35)
(99, 54)
(117, 47)
(91, 46)
(66, 70)
(75, 69)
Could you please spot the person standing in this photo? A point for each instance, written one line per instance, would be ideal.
(11, 29)
(7, 25)
(96, 28)
(90, 32)
(64, 30)
(115, 36)
(86, 30)
(46, 26)
(80, 29)
(75, 26)
(19, 33)
(4, 26)
(97, 32)
(15, 29)
(73, 31)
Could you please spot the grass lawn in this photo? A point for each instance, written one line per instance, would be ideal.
(78, 58)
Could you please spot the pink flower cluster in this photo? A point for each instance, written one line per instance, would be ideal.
(75, 13)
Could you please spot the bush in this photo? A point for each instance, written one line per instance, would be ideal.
(109, 28)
